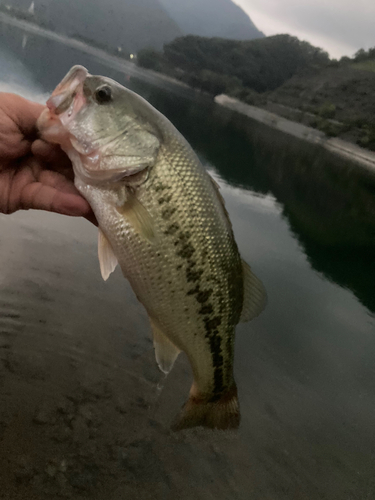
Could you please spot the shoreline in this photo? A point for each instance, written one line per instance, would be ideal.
(347, 150)
(114, 61)
(360, 156)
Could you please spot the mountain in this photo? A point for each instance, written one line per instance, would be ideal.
(212, 18)
(137, 24)
(130, 24)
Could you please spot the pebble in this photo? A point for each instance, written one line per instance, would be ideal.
(24, 470)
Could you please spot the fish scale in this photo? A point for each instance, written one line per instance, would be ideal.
(162, 219)
(164, 290)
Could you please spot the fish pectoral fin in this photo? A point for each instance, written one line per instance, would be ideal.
(138, 216)
(165, 351)
(107, 259)
(255, 296)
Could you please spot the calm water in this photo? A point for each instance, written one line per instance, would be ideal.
(84, 412)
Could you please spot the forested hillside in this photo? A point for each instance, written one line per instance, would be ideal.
(217, 65)
(282, 74)
(129, 24)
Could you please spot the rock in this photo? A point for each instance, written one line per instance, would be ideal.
(24, 471)
(51, 470)
(63, 465)
(62, 434)
(64, 486)
(43, 414)
(86, 411)
(142, 403)
(37, 481)
(99, 390)
(86, 478)
(90, 413)
(88, 449)
(122, 406)
(64, 407)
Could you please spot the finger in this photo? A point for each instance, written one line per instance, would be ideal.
(58, 181)
(50, 153)
(41, 197)
(23, 112)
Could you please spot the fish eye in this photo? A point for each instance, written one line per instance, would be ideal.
(103, 94)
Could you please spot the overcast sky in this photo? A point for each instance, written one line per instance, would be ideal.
(340, 27)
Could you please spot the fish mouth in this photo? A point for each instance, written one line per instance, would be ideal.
(68, 97)
(66, 101)
(56, 122)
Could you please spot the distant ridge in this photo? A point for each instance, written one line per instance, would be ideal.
(212, 18)
(129, 24)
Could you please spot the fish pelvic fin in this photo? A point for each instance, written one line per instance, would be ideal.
(255, 296)
(223, 413)
(165, 351)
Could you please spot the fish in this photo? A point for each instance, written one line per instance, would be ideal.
(162, 218)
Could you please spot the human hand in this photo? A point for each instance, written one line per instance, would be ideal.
(33, 174)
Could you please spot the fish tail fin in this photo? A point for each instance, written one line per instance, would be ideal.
(223, 413)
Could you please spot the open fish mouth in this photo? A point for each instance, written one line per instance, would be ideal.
(68, 97)
(66, 101)
(54, 125)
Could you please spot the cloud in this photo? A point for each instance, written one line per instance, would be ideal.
(339, 26)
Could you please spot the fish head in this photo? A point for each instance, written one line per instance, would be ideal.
(107, 130)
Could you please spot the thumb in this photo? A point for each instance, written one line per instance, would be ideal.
(38, 196)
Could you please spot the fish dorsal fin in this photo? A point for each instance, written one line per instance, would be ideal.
(255, 296)
(138, 216)
(107, 259)
(222, 201)
(165, 351)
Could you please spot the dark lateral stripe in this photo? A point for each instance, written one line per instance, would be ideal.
(215, 341)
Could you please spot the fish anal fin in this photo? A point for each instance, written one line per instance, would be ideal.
(138, 216)
(198, 411)
(107, 259)
(165, 351)
(255, 296)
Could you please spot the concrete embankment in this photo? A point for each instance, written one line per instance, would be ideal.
(360, 156)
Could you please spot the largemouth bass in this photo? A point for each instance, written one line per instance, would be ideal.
(162, 218)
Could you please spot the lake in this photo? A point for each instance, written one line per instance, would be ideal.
(84, 411)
